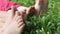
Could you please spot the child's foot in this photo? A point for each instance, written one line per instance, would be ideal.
(10, 15)
(14, 23)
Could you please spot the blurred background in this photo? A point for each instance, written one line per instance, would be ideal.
(47, 23)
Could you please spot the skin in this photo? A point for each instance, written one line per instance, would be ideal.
(14, 23)
(37, 10)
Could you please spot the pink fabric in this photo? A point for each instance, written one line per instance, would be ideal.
(6, 5)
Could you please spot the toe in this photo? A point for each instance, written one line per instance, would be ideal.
(21, 23)
(16, 15)
(19, 18)
(21, 27)
(11, 12)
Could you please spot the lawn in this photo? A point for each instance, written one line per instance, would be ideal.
(48, 23)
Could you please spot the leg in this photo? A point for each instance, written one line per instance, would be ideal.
(41, 6)
(38, 6)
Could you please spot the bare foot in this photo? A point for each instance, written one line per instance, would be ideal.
(14, 24)
(8, 17)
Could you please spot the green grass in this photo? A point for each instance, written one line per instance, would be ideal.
(49, 23)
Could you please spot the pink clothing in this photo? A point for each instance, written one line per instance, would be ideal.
(6, 5)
